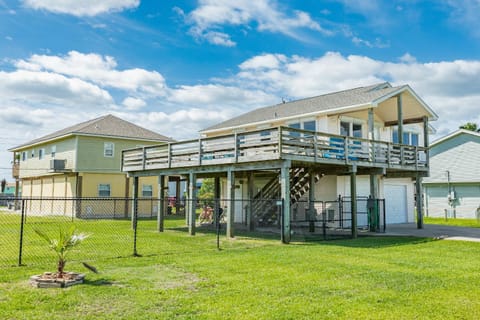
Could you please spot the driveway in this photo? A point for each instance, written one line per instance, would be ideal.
(434, 231)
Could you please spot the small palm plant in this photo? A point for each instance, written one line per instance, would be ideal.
(67, 239)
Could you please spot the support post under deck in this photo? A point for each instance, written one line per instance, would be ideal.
(161, 203)
(192, 197)
(418, 192)
(231, 205)
(353, 198)
(311, 200)
(285, 193)
(251, 186)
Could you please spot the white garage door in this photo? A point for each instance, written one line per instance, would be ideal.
(395, 204)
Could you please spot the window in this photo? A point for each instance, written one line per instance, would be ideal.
(410, 138)
(33, 153)
(309, 125)
(53, 151)
(147, 191)
(414, 139)
(24, 155)
(41, 152)
(351, 129)
(104, 190)
(108, 149)
(295, 125)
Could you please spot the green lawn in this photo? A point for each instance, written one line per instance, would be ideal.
(472, 223)
(186, 277)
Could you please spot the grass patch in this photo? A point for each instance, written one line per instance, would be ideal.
(472, 223)
(185, 277)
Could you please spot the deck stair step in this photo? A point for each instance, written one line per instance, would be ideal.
(265, 210)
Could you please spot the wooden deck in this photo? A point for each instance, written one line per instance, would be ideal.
(279, 143)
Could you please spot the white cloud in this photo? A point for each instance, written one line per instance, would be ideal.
(50, 88)
(212, 15)
(133, 103)
(267, 61)
(97, 69)
(216, 95)
(181, 124)
(219, 38)
(83, 7)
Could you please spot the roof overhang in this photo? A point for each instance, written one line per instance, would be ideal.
(73, 134)
(297, 116)
(454, 134)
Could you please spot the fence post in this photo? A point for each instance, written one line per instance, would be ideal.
(324, 221)
(22, 222)
(135, 215)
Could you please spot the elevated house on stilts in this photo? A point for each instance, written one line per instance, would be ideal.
(364, 142)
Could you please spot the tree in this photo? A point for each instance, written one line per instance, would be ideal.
(67, 239)
(206, 191)
(3, 184)
(470, 126)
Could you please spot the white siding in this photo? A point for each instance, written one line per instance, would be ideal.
(466, 203)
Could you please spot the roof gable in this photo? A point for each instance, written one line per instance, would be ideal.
(456, 153)
(453, 135)
(105, 126)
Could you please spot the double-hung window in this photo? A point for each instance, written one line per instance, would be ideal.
(147, 191)
(104, 190)
(108, 149)
(41, 153)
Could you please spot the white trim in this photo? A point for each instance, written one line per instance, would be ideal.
(453, 134)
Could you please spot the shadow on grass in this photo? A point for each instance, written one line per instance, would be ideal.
(99, 282)
(345, 240)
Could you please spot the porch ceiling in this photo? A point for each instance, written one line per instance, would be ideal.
(412, 109)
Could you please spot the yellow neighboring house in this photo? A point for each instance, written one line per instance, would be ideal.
(83, 161)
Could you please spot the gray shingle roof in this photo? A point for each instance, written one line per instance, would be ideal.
(325, 102)
(108, 126)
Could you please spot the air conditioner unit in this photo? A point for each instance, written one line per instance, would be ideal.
(57, 165)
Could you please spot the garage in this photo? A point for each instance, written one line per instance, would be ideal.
(396, 204)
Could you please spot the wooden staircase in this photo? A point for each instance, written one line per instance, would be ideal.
(264, 204)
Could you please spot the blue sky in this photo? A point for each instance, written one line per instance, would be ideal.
(179, 66)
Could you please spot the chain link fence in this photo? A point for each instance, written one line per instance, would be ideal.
(113, 233)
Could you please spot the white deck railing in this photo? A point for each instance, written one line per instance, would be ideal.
(272, 144)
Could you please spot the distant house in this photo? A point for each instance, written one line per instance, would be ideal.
(83, 160)
(453, 187)
(365, 141)
(9, 188)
